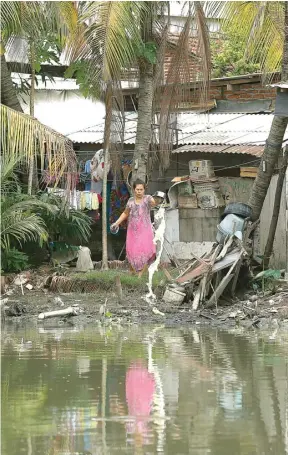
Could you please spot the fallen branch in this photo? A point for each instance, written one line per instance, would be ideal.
(66, 312)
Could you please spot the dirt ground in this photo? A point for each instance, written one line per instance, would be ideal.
(252, 311)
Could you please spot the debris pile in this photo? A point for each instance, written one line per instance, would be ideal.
(205, 278)
(200, 189)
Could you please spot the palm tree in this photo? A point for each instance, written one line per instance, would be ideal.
(33, 22)
(23, 136)
(264, 26)
(274, 141)
(160, 96)
(108, 35)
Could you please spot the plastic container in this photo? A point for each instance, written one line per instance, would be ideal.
(173, 296)
(232, 224)
(114, 230)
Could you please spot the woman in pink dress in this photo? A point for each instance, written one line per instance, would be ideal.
(140, 248)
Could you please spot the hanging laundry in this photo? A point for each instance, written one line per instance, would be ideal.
(82, 201)
(95, 201)
(119, 197)
(87, 168)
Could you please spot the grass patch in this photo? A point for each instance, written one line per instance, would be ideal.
(106, 279)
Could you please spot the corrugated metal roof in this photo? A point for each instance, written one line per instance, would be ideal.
(254, 150)
(206, 129)
(95, 134)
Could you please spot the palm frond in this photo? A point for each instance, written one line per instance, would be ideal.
(22, 227)
(23, 136)
(190, 64)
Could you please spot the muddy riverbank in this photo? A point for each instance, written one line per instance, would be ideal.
(249, 310)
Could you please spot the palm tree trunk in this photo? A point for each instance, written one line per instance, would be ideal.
(143, 134)
(8, 93)
(267, 165)
(32, 103)
(107, 131)
(145, 100)
(273, 144)
(276, 209)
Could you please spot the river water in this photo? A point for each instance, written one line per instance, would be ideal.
(143, 390)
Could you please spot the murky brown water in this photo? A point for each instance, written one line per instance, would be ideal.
(143, 391)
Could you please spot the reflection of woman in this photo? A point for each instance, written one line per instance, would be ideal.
(140, 388)
(140, 248)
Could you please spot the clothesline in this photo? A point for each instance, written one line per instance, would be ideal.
(79, 200)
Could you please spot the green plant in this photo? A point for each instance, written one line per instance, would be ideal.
(268, 279)
(14, 260)
(228, 57)
(20, 219)
(65, 223)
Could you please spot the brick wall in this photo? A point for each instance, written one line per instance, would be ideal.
(245, 92)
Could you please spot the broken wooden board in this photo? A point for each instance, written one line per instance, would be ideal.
(225, 280)
(200, 270)
(227, 261)
(248, 172)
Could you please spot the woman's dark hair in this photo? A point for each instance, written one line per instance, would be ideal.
(138, 182)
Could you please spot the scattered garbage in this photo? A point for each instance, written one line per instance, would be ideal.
(84, 262)
(70, 311)
(21, 279)
(207, 277)
(58, 301)
(173, 296)
(157, 312)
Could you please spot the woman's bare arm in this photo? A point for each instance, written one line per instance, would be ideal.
(122, 217)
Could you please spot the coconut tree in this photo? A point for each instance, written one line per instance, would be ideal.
(33, 23)
(264, 26)
(121, 35)
(104, 48)
(160, 94)
(274, 141)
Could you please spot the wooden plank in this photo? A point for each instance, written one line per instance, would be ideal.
(236, 275)
(200, 213)
(224, 283)
(248, 172)
(227, 261)
(219, 291)
(200, 270)
(197, 297)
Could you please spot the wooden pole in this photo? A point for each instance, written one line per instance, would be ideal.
(107, 131)
(276, 209)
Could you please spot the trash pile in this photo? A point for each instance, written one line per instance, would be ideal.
(200, 189)
(204, 279)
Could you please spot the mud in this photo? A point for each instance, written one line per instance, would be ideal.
(253, 312)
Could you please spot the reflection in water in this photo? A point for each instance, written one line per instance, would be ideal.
(143, 391)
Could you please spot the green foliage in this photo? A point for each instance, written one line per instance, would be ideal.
(228, 57)
(14, 260)
(89, 86)
(267, 279)
(35, 218)
(20, 220)
(106, 279)
(65, 223)
(148, 51)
